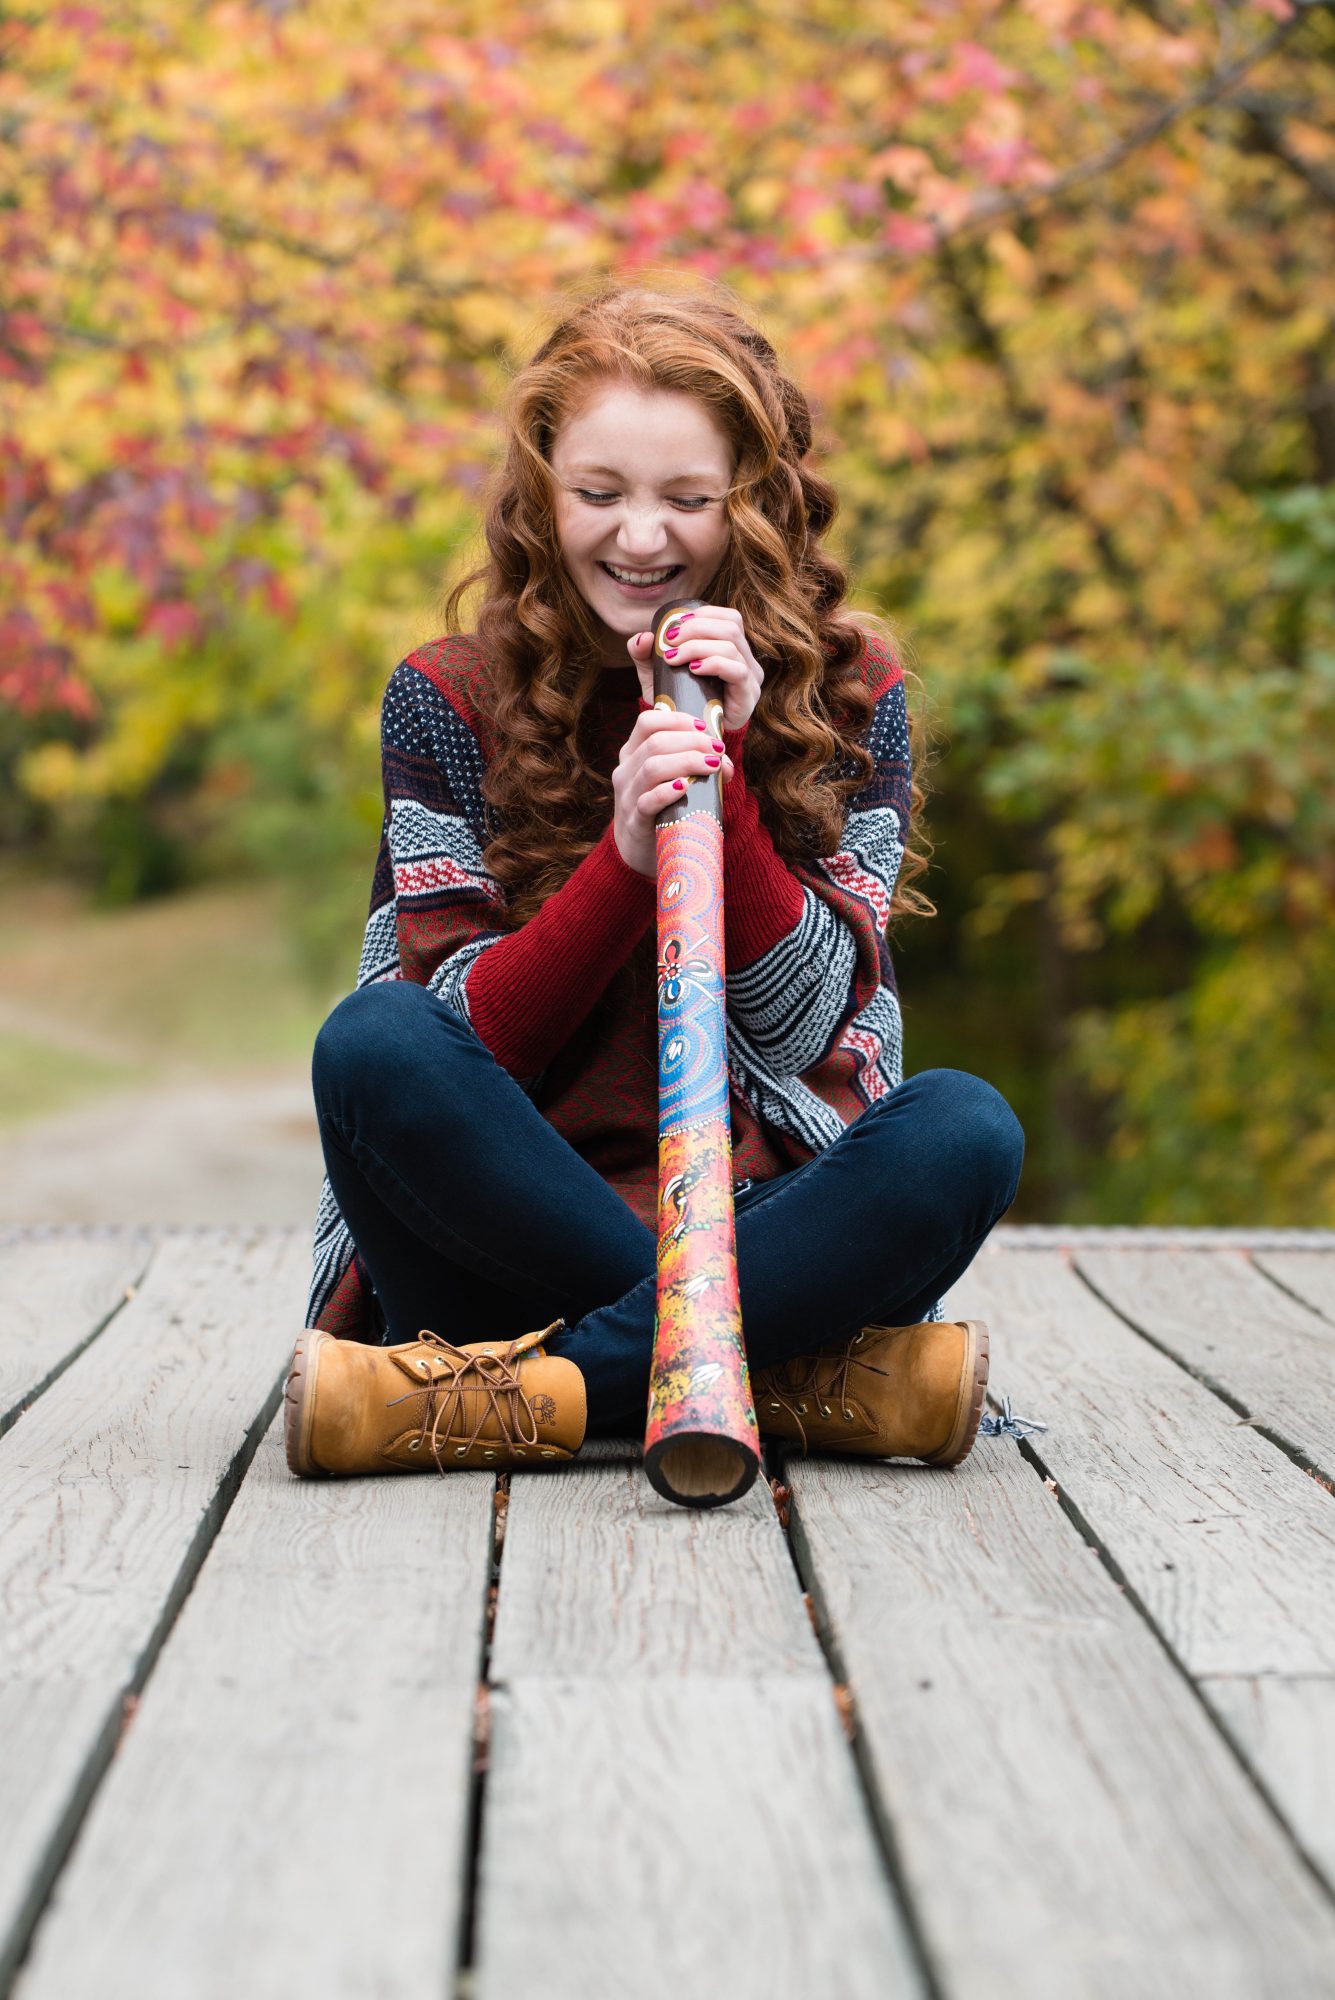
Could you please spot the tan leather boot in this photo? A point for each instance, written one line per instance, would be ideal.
(423, 1404)
(890, 1392)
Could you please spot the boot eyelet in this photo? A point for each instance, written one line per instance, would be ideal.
(801, 1409)
(489, 1454)
(857, 1336)
(461, 1451)
(825, 1409)
(774, 1406)
(547, 1451)
(413, 1443)
(848, 1416)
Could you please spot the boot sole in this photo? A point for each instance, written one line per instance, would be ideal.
(973, 1392)
(299, 1404)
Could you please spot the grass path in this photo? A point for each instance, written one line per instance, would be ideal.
(154, 1061)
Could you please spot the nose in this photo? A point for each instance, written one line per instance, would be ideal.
(641, 534)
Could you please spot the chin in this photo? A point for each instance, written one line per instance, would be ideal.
(621, 617)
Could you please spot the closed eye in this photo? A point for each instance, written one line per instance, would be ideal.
(690, 505)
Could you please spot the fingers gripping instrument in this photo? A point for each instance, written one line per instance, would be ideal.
(701, 1444)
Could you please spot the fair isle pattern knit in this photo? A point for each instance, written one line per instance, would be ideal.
(814, 1027)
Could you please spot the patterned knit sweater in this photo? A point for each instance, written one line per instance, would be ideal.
(568, 1002)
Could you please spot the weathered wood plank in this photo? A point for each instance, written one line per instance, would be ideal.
(1233, 1317)
(606, 1451)
(660, 1838)
(1070, 1236)
(1285, 1728)
(111, 1488)
(1227, 1543)
(665, 1738)
(1228, 1323)
(601, 1577)
(288, 1812)
(1067, 1819)
(1308, 1274)
(1229, 1546)
(57, 1292)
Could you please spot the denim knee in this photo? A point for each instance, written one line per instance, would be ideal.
(374, 1029)
(995, 1137)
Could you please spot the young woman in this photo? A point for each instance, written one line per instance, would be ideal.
(487, 1096)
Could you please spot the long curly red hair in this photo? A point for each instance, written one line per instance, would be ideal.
(548, 803)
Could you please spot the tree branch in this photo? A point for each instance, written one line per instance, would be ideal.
(992, 209)
(1267, 130)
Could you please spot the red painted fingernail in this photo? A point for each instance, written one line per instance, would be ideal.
(669, 652)
(713, 760)
(695, 665)
(698, 723)
(673, 632)
(716, 743)
(679, 785)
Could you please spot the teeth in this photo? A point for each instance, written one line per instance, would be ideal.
(643, 575)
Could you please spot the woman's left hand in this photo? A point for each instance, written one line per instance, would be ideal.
(709, 641)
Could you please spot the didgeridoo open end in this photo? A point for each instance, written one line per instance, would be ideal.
(701, 1442)
(698, 1470)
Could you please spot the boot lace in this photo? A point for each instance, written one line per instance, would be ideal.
(823, 1378)
(497, 1376)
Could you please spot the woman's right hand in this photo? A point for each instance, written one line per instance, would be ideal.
(663, 750)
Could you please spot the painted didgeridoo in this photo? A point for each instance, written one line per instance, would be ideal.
(701, 1442)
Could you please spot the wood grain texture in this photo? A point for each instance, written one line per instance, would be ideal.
(1228, 1546)
(1227, 1543)
(667, 1838)
(1068, 1236)
(671, 1805)
(1068, 1821)
(603, 1578)
(666, 1746)
(111, 1486)
(301, 1755)
(1308, 1274)
(1227, 1322)
(609, 1451)
(1285, 1729)
(56, 1294)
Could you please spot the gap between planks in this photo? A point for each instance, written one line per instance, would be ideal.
(666, 1744)
(305, 1745)
(1068, 1819)
(52, 1308)
(1225, 1545)
(102, 1534)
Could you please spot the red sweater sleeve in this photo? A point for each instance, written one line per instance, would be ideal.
(762, 898)
(525, 1014)
(528, 992)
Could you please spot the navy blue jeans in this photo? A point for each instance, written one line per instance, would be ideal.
(477, 1219)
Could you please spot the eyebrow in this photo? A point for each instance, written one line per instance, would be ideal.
(677, 479)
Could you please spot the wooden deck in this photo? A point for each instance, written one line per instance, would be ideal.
(1060, 1722)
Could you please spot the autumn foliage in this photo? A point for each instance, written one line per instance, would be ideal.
(1061, 279)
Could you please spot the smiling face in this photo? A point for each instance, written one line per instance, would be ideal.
(640, 477)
